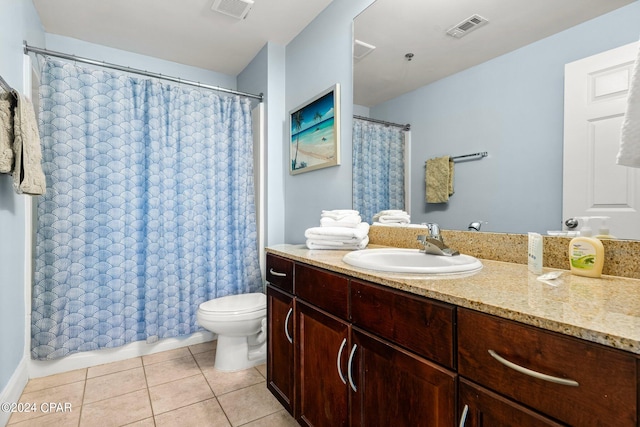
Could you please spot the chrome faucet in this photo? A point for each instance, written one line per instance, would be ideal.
(475, 226)
(433, 243)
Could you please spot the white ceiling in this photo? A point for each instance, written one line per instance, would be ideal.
(189, 32)
(183, 31)
(397, 27)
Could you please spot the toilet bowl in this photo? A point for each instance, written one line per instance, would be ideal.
(240, 321)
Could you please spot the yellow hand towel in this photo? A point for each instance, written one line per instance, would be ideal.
(439, 179)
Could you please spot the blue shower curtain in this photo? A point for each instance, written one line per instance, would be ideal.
(378, 168)
(149, 209)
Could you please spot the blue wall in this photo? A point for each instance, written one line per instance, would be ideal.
(512, 107)
(319, 57)
(21, 22)
(265, 74)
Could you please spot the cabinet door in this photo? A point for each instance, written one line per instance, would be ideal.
(480, 407)
(392, 387)
(322, 346)
(280, 348)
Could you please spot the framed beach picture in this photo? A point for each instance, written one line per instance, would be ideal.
(315, 133)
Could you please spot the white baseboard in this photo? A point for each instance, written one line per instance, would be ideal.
(13, 390)
(42, 368)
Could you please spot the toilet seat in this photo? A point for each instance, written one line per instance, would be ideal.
(235, 304)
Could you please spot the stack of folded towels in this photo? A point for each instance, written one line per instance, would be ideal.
(339, 229)
(392, 217)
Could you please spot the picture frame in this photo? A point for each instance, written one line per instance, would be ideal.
(314, 139)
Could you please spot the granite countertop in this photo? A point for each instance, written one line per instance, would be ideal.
(605, 310)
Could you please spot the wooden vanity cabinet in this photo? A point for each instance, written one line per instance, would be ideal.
(384, 371)
(280, 330)
(567, 379)
(344, 352)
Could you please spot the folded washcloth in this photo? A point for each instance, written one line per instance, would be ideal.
(439, 179)
(342, 234)
(346, 221)
(629, 153)
(6, 131)
(338, 214)
(337, 245)
(28, 177)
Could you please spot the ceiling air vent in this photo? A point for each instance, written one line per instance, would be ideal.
(236, 8)
(361, 49)
(466, 26)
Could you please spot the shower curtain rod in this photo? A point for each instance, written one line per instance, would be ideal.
(34, 49)
(406, 127)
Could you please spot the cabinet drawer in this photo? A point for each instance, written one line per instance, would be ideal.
(280, 272)
(599, 383)
(325, 290)
(416, 323)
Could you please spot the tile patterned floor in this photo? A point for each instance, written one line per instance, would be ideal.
(176, 387)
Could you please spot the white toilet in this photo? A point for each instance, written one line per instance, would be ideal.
(240, 321)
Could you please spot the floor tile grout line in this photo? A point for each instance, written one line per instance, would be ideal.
(153, 412)
(84, 390)
(215, 396)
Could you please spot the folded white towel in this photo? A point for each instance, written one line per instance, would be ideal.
(392, 212)
(344, 234)
(629, 154)
(392, 216)
(338, 214)
(347, 221)
(28, 177)
(403, 219)
(337, 245)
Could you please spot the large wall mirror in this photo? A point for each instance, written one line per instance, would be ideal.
(495, 87)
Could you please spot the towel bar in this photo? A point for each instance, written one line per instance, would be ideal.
(480, 154)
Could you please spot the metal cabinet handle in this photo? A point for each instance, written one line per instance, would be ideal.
(531, 373)
(344, 342)
(350, 367)
(286, 326)
(463, 417)
(275, 273)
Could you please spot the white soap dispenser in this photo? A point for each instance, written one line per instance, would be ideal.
(603, 231)
(586, 253)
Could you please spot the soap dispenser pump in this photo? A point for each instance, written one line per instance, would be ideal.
(586, 253)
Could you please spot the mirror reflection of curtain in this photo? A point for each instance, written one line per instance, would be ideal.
(378, 168)
(149, 209)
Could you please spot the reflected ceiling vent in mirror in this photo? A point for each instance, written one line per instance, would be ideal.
(361, 49)
(466, 26)
(236, 8)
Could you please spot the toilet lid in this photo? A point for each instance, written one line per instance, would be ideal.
(236, 304)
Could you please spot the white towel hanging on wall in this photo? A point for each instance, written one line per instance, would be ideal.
(629, 153)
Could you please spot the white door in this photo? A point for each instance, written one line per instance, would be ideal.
(596, 90)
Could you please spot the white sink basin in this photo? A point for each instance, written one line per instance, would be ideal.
(398, 260)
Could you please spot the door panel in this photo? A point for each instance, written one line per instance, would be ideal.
(596, 90)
